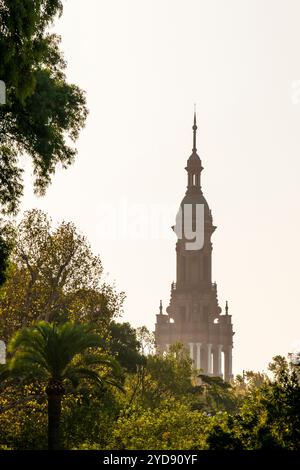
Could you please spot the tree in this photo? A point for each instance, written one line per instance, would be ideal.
(42, 110)
(124, 346)
(158, 379)
(269, 413)
(217, 395)
(171, 425)
(56, 354)
(219, 438)
(146, 339)
(159, 409)
(171, 373)
(54, 276)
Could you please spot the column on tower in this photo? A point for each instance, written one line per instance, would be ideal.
(228, 363)
(191, 345)
(198, 356)
(220, 349)
(203, 359)
(217, 360)
(209, 364)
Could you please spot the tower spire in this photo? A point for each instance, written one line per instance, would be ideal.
(226, 307)
(194, 130)
(160, 307)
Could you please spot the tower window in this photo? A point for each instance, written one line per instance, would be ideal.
(194, 180)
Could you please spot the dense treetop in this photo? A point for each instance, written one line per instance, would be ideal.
(42, 109)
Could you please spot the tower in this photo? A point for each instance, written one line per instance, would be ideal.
(194, 316)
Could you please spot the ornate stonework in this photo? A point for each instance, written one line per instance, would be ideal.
(194, 316)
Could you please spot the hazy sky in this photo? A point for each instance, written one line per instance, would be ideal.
(143, 64)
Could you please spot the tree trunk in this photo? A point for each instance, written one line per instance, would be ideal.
(54, 393)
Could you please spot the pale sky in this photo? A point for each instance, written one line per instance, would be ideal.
(143, 64)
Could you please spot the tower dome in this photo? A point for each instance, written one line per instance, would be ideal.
(194, 195)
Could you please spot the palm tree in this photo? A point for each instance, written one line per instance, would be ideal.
(57, 354)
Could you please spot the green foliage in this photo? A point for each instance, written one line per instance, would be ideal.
(274, 409)
(53, 276)
(171, 425)
(23, 415)
(124, 346)
(89, 417)
(221, 436)
(58, 352)
(42, 110)
(169, 375)
(146, 339)
(5, 250)
(217, 395)
(268, 416)
(159, 410)
(58, 356)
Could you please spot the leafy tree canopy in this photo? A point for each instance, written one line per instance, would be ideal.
(54, 276)
(124, 346)
(42, 109)
(58, 354)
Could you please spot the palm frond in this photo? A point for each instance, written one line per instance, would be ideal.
(50, 349)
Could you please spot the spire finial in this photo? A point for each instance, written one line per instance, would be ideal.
(194, 130)
(226, 308)
(160, 307)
